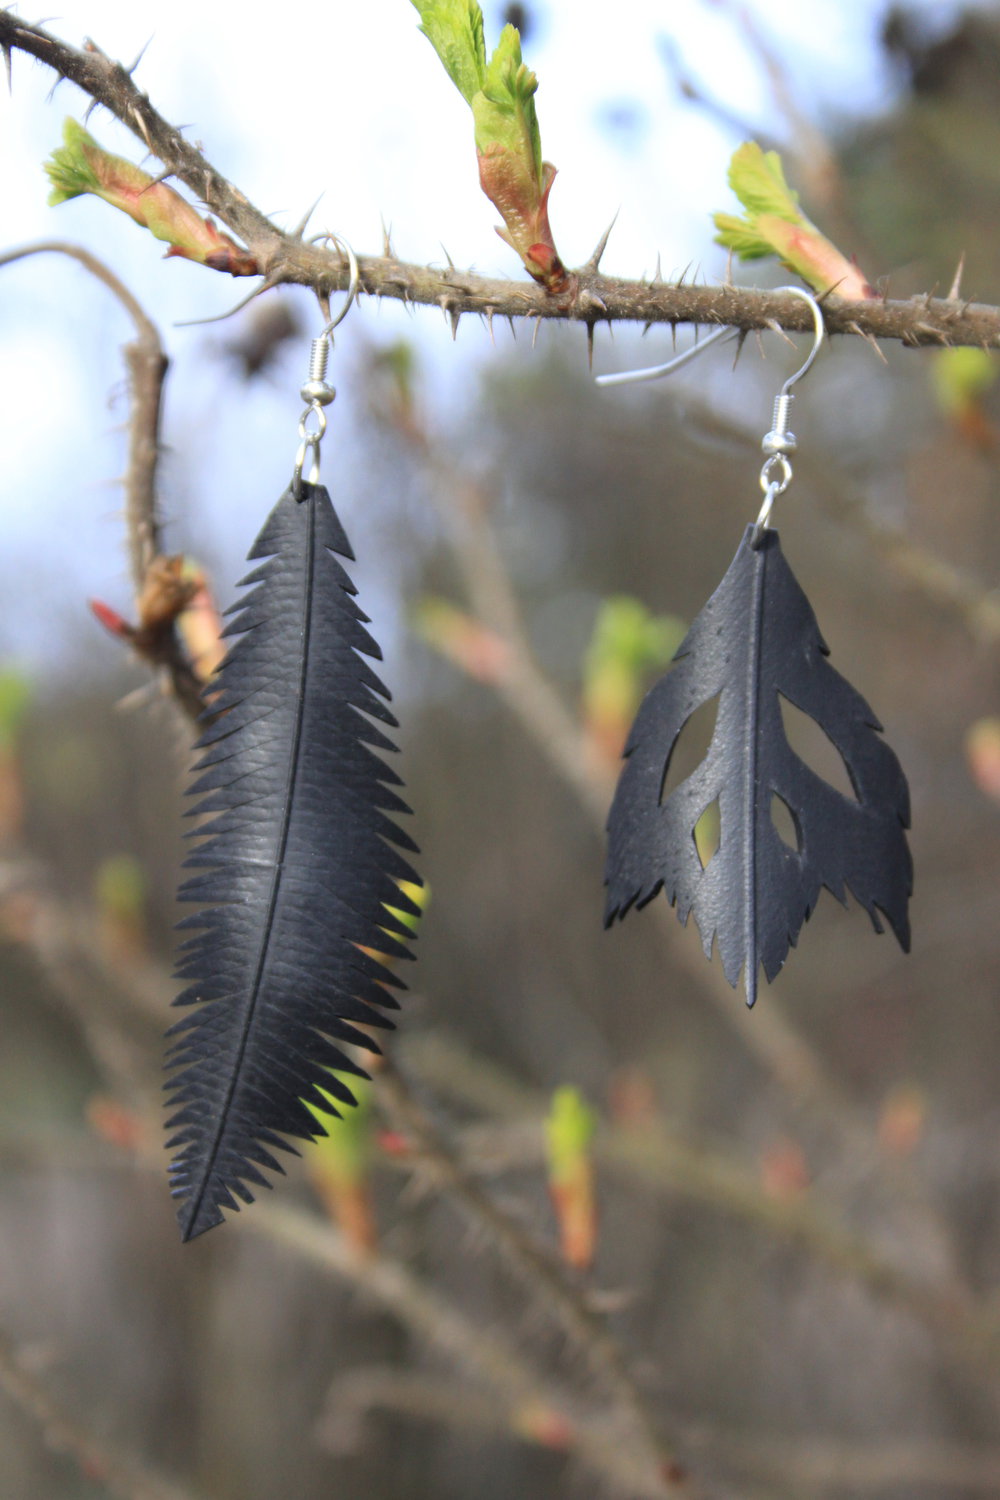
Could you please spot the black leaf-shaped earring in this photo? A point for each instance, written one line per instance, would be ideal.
(755, 643)
(300, 885)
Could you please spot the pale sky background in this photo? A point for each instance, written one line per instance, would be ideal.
(348, 100)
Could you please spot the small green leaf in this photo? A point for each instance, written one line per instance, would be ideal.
(15, 696)
(758, 180)
(961, 377)
(737, 235)
(505, 110)
(120, 886)
(569, 1130)
(81, 165)
(417, 898)
(454, 29)
(345, 1148)
(627, 633)
(501, 93)
(774, 224)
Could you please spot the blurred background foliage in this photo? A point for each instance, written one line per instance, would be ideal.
(776, 1363)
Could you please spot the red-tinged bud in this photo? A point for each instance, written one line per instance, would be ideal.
(393, 1143)
(509, 179)
(569, 1131)
(111, 620)
(114, 1123)
(784, 1171)
(982, 748)
(544, 1425)
(349, 1206)
(903, 1120)
(80, 165)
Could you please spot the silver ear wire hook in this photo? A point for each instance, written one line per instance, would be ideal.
(315, 391)
(654, 372)
(776, 475)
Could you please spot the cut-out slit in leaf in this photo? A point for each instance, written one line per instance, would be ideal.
(707, 833)
(784, 823)
(755, 641)
(811, 743)
(691, 746)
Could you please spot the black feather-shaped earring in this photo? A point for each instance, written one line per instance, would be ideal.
(300, 883)
(755, 643)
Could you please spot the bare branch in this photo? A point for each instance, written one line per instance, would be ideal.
(147, 367)
(539, 1272)
(595, 1438)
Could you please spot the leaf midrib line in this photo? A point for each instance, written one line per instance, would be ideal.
(278, 865)
(750, 774)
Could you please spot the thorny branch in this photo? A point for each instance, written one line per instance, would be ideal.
(595, 298)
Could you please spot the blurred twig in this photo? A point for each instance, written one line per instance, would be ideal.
(819, 1465)
(597, 1438)
(96, 1460)
(74, 964)
(939, 581)
(147, 367)
(658, 1158)
(538, 1271)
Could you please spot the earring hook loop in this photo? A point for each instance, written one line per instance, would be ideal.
(656, 372)
(819, 334)
(779, 443)
(315, 392)
(776, 474)
(353, 284)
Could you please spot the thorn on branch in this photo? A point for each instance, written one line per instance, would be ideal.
(931, 332)
(869, 339)
(776, 327)
(139, 58)
(956, 285)
(594, 263)
(590, 302)
(299, 231)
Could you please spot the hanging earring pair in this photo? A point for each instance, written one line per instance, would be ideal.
(299, 890)
(755, 642)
